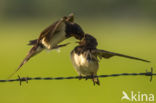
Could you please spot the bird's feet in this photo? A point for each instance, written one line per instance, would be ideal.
(80, 77)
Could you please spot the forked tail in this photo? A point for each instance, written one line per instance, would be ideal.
(33, 51)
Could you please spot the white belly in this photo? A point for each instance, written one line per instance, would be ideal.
(59, 37)
(56, 38)
(83, 66)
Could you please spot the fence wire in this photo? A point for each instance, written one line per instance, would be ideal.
(26, 79)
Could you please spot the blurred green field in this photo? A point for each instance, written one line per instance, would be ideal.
(134, 39)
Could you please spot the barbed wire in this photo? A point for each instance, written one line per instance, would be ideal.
(26, 79)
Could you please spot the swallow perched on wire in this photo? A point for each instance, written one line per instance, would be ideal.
(85, 57)
(53, 35)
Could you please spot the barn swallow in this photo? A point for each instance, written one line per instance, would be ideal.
(85, 57)
(53, 35)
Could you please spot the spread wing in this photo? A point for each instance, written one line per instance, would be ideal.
(50, 31)
(108, 54)
(33, 51)
(47, 34)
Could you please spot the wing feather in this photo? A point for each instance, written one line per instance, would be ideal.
(50, 31)
(108, 54)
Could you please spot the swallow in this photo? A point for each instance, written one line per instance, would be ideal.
(53, 35)
(85, 57)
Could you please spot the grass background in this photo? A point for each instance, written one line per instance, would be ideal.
(127, 37)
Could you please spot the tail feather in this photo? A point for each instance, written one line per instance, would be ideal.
(33, 51)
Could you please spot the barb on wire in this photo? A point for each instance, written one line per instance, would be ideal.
(151, 74)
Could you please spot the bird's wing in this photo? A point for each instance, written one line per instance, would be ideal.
(33, 51)
(108, 54)
(47, 34)
(50, 31)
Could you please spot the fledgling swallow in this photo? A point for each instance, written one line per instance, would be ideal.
(85, 56)
(53, 35)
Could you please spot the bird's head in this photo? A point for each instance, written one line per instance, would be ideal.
(88, 41)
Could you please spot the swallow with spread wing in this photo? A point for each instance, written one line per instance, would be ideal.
(53, 35)
(84, 57)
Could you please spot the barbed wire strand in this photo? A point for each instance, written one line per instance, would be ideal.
(26, 79)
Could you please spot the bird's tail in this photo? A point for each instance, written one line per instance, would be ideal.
(96, 81)
(33, 51)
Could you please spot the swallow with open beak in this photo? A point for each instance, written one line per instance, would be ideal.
(53, 35)
(85, 57)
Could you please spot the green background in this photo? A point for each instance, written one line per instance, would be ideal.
(132, 34)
